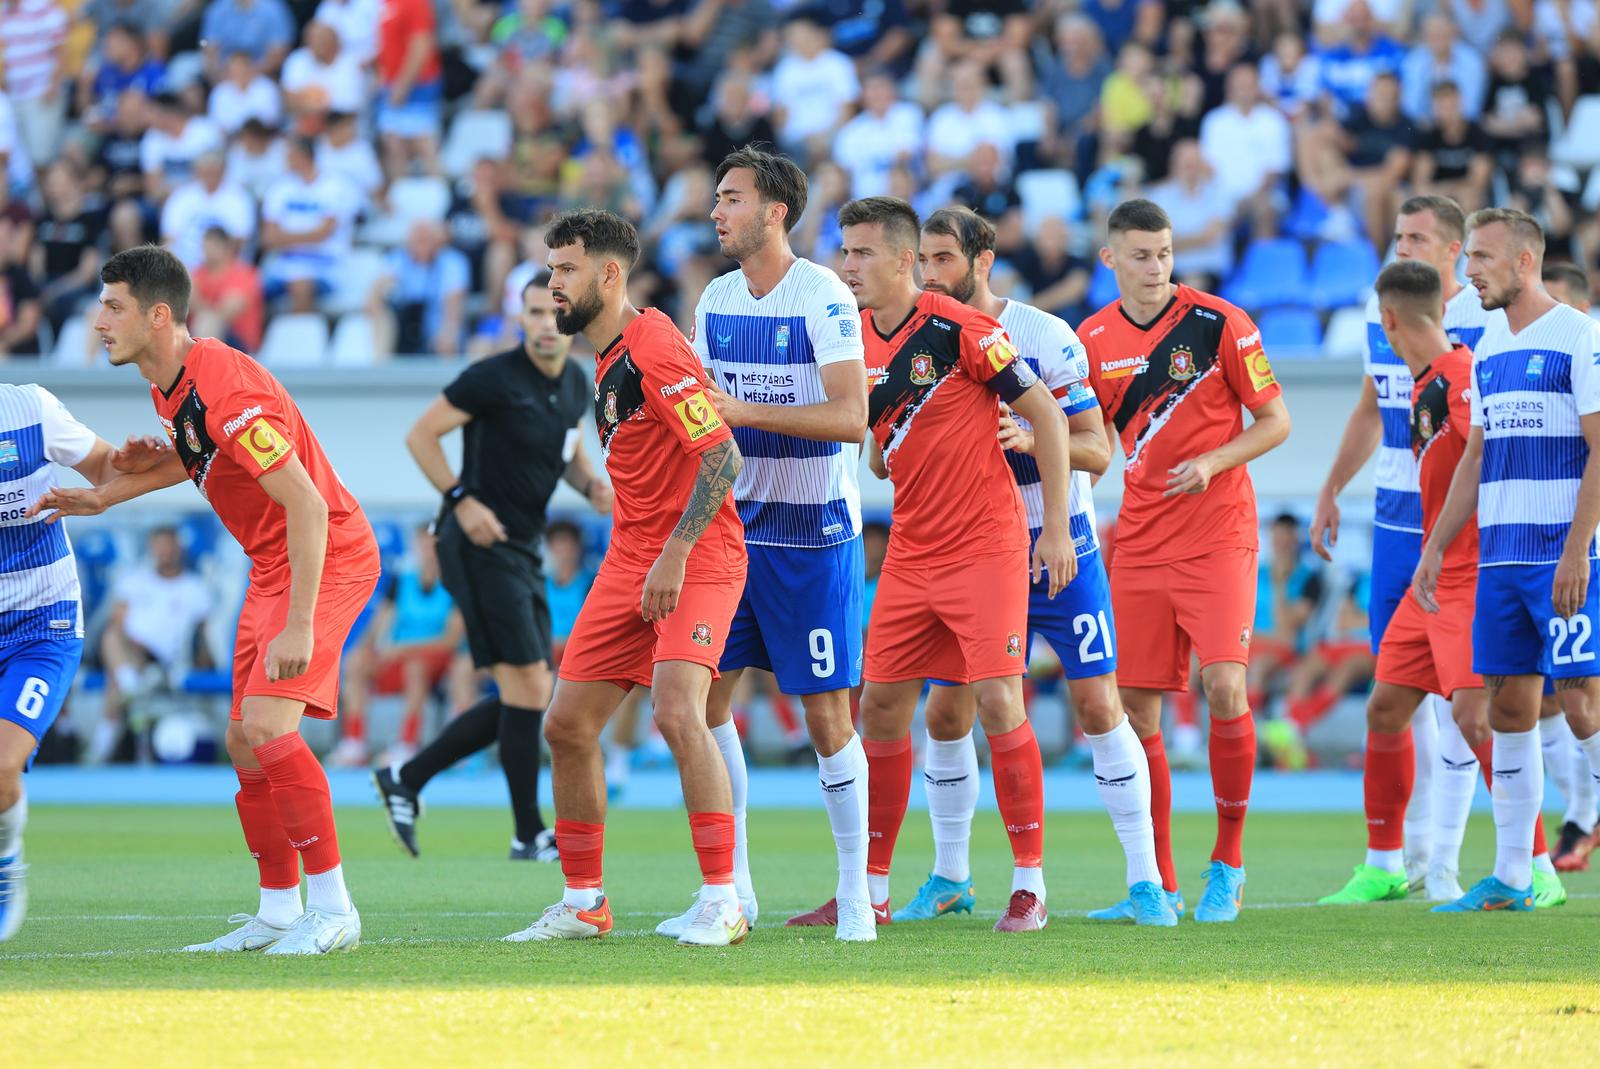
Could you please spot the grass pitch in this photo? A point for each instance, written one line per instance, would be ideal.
(90, 979)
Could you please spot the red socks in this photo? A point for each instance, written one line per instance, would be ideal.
(1019, 789)
(263, 831)
(300, 794)
(1391, 771)
(581, 846)
(1155, 752)
(888, 793)
(713, 845)
(1485, 756)
(1313, 707)
(1233, 766)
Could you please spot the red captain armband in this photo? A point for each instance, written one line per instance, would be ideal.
(1012, 381)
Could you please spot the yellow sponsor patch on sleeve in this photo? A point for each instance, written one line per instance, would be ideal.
(1261, 375)
(697, 415)
(1000, 354)
(262, 440)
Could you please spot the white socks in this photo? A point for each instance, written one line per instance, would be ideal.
(1122, 775)
(1419, 811)
(724, 891)
(12, 821)
(843, 777)
(325, 892)
(582, 897)
(1387, 860)
(1589, 751)
(950, 779)
(727, 736)
(280, 906)
(1454, 787)
(1517, 795)
(1031, 879)
(1565, 763)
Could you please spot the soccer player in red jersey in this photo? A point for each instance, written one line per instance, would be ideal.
(658, 613)
(1173, 367)
(952, 600)
(1427, 647)
(236, 432)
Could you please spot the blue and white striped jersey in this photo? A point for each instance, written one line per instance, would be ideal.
(770, 350)
(1528, 392)
(1057, 356)
(39, 596)
(1399, 503)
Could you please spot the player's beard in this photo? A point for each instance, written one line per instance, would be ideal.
(964, 290)
(581, 312)
(1493, 302)
(744, 243)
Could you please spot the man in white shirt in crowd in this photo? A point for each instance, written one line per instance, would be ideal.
(342, 151)
(307, 223)
(168, 150)
(1247, 141)
(321, 76)
(1202, 218)
(813, 87)
(967, 121)
(206, 201)
(887, 131)
(244, 94)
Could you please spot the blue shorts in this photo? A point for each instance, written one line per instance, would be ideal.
(800, 617)
(418, 116)
(1394, 561)
(34, 680)
(1516, 632)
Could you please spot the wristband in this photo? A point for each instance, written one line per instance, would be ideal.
(453, 496)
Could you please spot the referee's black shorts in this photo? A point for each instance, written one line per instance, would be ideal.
(501, 594)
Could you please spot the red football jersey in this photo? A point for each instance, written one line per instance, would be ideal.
(655, 419)
(1177, 388)
(1441, 419)
(232, 422)
(935, 416)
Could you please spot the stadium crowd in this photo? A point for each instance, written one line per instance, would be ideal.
(349, 179)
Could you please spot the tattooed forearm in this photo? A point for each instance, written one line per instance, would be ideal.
(719, 466)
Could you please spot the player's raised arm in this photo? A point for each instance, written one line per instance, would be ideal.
(306, 513)
(1362, 433)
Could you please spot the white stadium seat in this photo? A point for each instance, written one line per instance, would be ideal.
(294, 341)
(475, 135)
(359, 271)
(1047, 193)
(1346, 336)
(353, 344)
(1579, 143)
(72, 344)
(419, 197)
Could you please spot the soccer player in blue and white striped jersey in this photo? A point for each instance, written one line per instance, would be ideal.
(41, 611)
(781, 340)
(1531, 471)
(1431, 229)
(957, 255)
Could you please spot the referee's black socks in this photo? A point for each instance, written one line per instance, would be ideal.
(519, 757)
(462, 737)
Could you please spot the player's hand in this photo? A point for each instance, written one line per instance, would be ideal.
(1053, 554)
(1190, 477)
(479, 522)
(1425, 580)
(1325, 520)
(602, 498)
(734, 412)
(663, 585)
(67, 501)
(140, 454)
(1571, 585)
(289, 655)
(1014, 436)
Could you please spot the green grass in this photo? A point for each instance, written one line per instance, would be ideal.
(88, 981)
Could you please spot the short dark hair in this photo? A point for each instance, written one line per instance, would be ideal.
(1446, 212)
(540, 279)
(972, 232)
(1286, 519)
(1415, 284)
(898, 218)
(563, 527)
(1139, 214)
(600, 232)
(779, 180)
(217, 232)
(1565, 271)
(153, 275)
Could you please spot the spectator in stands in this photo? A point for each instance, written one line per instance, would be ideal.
(1288, 595)
(1536, 188)
(153, 634)
(684, 237)
(16, 167)
(262, 29)
(1290, 77)
(33, 40)
(989, 33)
(1336, 664)
(1452, 155)
(482, 224)
(736, 120)
(1202, 219)
(1441, 57)
(885, 132)
(1376, 142)
(1561, 28)
(227, 301)
(20, 310)
(814, 87)
(257, 158)
(567, 581)
(988, 190)
(1480, 23)
(1248, 144)
(69, 243)
(168, 151)
(124, 63)
(205, 201)
(321, 77)
(152, 20)
(819, 228)
(1127, 99)
(410, 77)
(1362, 54)
(968, 120)
(1174, 116)
(419, 306)
(356, 22)
(1516, 107)
(1568, 284)
(1058, 280)
(876, 36)
(244, 93)
(1071, 82)
(1224, 45)
(307, 221)
(343, 153)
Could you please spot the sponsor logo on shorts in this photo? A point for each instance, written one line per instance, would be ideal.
(1260, 370)
(1121, 369)
(263, 442)
(697, 415)
(1244, 636)
(922, 369)
(60, 625)
(190, 438)
(232, 427)
(679, 386)
(1182, 365)
(1013, 645)
(701, 634)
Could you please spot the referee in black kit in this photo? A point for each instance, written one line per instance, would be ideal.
(520, 410)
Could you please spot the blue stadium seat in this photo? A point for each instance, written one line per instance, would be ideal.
(1102, 286)
(1341, 274)
(1272, 274)
(1292, 333)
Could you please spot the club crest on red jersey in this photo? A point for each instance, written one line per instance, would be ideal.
(1181, 365)
(922, 369)
(701, 634)
(190, 438)
(1424, 424)
(1013, 645)
(611, 406)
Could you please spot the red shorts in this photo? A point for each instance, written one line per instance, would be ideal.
(953, 622)
(1335, 652)
(391, 675)
(339, 601)
(1431, 651)
(612, 643)
(1163, 611)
